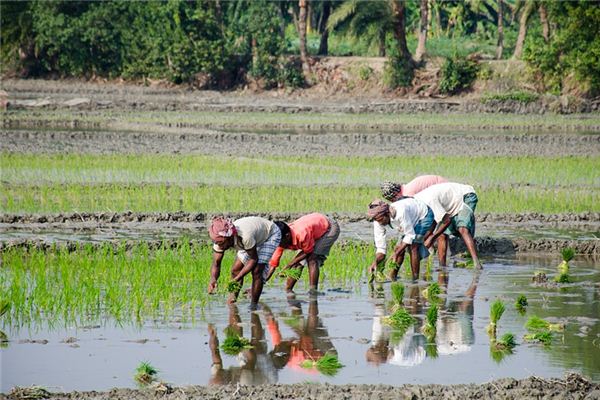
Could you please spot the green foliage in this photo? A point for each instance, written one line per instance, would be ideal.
(397, 292)
(429, 329)
(521, 303)
(567, 254)
(234, 286)
(432, 292)
(536, 323)
(294, 273)
(573, 48)
(507, 341)
(328, 365)
(400, 320)
(291, 75)
(398, 72)
(544, 337)
(145, 373)
(520, 96)
(234, 344)
(496, 310)
(365, 72)
(4, 307)
(562, 278)
(457, 74)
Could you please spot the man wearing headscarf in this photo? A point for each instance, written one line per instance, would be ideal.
(413, 219)
(255, 240)
(392, 191)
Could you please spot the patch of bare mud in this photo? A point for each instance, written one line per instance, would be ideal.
(326, 143)
(573, 386)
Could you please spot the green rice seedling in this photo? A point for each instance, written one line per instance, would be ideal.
(3, 340)
(521, 303)
(499, 354)
(535, 324)
(233, 286)
(431, 350)
(399, 319)
(397, 289)
(4, 307)
(234, 344)
(567, 255)
(145, 373)
(429, 329)
(496, 311)
(432, 292)
(506, 342)
(544, 337)
(328, 365)
(294, 273)
(562, 278)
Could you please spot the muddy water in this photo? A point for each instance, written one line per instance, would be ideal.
(343, 320)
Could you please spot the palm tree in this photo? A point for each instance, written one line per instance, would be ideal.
(302, 37)
(526, 8)
(422, 31)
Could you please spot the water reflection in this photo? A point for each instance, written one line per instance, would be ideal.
(258, 365)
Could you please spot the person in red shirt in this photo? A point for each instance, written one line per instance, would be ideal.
(313, 235)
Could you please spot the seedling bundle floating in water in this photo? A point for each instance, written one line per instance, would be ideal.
(432, 292)
(536, 323)
(521, 303)
(234, 344)
(327, 365)
(563, 268)
(145, 373)
(429, 329)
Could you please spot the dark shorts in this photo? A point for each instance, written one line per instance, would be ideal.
(465, 217)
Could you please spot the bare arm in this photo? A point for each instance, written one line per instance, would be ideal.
(444, 223)
(379, 259)
(215, 271)
(398, 250)
(297, 259)
(249, 266)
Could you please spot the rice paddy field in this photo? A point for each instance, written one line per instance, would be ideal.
(106, 303)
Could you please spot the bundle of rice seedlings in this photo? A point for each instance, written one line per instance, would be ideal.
(399, 319)
(431, 350)
(293, 273)
(234, 344)
(327, 365)
(234, 286)
(544, 337)
(506, 342)
(397, 292)
(521, 303)
(567, 255)
(145, 373)
(536, 324)
(464, 264)
(539, 277)
(496, 311)
(429, 329)
(432, 292)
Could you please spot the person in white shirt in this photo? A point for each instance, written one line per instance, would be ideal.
(413, 219)
(453, 206)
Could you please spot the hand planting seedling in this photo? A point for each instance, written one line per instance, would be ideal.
(145, 373)
(327, 365)
(496, 311)
(294, 273)
(429, 329)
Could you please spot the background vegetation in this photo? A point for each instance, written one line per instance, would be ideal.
(226, 43)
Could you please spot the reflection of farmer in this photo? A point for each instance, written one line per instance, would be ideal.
(254, 366)
(408, 351)
(453, 206)
(455, 332)
(313, 235)
(413, 219)
(255, 239)
(312, 341)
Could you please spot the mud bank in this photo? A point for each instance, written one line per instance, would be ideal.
(325, 144)
(573, 386)
(486, 245)
(105, 217)
(53, 95)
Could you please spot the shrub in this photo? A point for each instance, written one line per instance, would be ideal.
(397, 72)
(520, 96)
(457, 74)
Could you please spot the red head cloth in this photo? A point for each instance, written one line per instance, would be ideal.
(221, 227)
(378, 208)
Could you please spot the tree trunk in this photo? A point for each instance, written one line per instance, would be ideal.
(522, 29)
(323, 47)
(438, 17)
(500, 45)
(382, 47)
(302, 37)
(399, 11)
(544, 22)
(422, 31)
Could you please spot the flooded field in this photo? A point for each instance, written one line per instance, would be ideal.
(346, 320)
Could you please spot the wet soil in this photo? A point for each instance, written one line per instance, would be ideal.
(573, 386)
(166, 140)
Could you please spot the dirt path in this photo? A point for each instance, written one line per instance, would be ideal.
(573, 386)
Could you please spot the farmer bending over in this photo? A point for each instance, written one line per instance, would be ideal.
(453, 206)
(255, 239)
(313, 235)
(394, 191)
(414, 219)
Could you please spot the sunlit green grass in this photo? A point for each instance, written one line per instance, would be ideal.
(305, 120)
(134, 285)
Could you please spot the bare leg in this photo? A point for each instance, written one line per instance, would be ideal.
(257, 284)
(415, 261)
(399, 262)
(235, 269)
(470, 243)
(291, 282)
(313, 273)
(442, 248)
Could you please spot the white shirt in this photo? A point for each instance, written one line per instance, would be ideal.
(445, 198)
(251, 232)
(409, 212)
